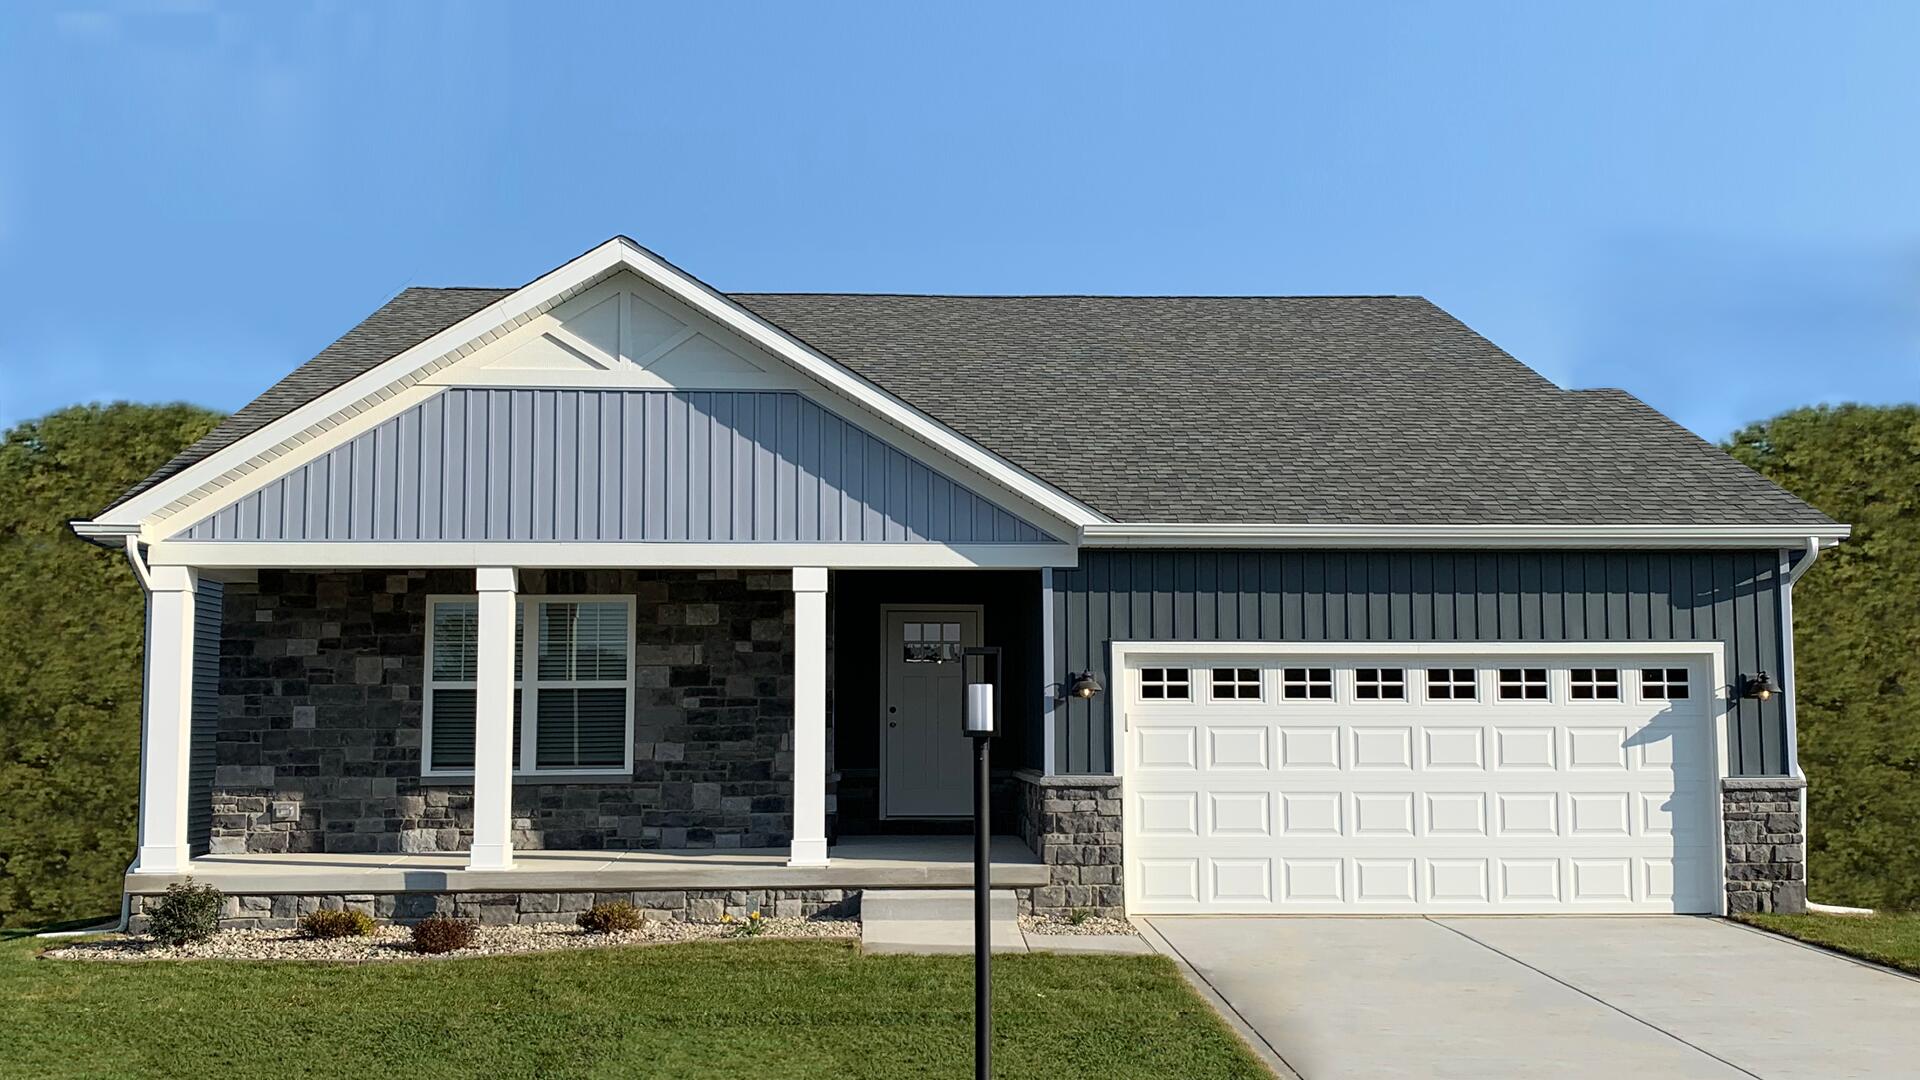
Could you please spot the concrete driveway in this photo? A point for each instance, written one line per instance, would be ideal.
(1640, 997)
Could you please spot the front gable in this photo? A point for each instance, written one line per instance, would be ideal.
(592, 465)
(622, 332)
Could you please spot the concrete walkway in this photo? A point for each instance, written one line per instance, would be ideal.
(1643, 997)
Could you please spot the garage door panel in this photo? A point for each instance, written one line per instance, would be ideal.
(1454, 748)
(1240, 814)
(1408, 804)
(1376, 748)
(1310, 813)
(1241, 880)
(1382, 813)
(1310, 748)
(1237, 746)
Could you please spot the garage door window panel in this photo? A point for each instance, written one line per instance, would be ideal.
(1593, 684)
(1237, 684)
(1306, 683)
(1380, 684)
(1453, 684)
(1523, 684)
(1664, 684)
(1166, 684)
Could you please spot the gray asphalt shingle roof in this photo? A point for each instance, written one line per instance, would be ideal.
(1348, 410)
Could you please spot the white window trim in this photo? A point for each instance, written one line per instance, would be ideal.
(1259, 683)
(527, 685)
(1335, 676)
(1406, 685)
(1619, 684)
(1640, 684)
(1140, 690)
(1555, 685)
(1478, 682)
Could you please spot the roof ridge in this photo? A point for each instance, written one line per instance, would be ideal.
(1097, 296)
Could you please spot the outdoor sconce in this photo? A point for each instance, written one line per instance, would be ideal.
(1759, 687)
(1083, 686)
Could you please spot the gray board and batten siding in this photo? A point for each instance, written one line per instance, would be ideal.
(616, 465)
(1417, 596)
(203, 724)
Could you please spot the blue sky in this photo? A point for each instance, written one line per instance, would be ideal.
(1715, 206)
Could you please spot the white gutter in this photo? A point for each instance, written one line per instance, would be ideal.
(1191, 535)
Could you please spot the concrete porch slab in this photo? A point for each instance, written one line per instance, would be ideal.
(854, 863)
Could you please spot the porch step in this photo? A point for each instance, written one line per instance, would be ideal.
(935, 921)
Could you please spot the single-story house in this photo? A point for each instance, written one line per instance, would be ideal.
(616, 584)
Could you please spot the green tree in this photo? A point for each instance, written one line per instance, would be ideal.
(1857, 643)
(71, 622)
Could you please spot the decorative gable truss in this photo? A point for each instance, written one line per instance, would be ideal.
(526, 464)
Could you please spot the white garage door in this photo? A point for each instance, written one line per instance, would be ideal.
(1276, 782)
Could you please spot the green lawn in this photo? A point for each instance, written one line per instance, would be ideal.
(727, 1009)
(1893, 940)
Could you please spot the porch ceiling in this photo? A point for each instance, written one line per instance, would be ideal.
(857, 863)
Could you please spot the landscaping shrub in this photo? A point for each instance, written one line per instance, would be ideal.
(440, 934)
(186, 914)
(611, 918)
(336, 924)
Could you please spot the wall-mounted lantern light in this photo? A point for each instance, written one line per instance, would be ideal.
(1082, 686)
(1758, 686)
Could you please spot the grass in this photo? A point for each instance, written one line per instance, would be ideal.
(724, 1009)
(1893, 940)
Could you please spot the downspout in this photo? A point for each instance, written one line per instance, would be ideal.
(1790, 677)
(145, 579)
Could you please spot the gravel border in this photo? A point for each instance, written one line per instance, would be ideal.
(1093, 926)
(396, 942)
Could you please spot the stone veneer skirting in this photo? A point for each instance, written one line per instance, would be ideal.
(319, 736)
(1766, 844)
(1073, 824)
(282, 911)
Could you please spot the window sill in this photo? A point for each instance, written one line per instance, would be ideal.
(535, 779)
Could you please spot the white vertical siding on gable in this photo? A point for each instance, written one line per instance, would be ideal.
(626, 465)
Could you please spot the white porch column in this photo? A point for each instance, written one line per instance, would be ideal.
(493, 721)
(166, 711)
(809, 717)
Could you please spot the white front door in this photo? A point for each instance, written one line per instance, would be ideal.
(928, 760)
(1269, 781)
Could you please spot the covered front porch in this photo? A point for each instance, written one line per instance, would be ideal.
(490, 729)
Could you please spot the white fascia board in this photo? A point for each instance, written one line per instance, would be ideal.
(379, 381)
(420, 555)
(1163, 535)
(507, 313)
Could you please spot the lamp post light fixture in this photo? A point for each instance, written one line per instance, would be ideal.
(1758, 686)
(1082, 686)
(979, 713)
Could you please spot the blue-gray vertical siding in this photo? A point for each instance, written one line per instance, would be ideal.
(204, 723)
(621, 465)
(1316, 596)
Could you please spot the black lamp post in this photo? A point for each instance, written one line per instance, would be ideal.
(979, 711)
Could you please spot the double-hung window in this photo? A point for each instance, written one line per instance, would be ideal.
(572, 691)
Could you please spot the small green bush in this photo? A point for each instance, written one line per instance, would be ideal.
(752, 926)
(611, 918)
(440, 934)
(1079, 916)
(186, 914)
(336, 924)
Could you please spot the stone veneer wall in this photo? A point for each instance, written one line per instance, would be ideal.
(1073, 824)
(320, 718)
(1766, 845)
(282, 911)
